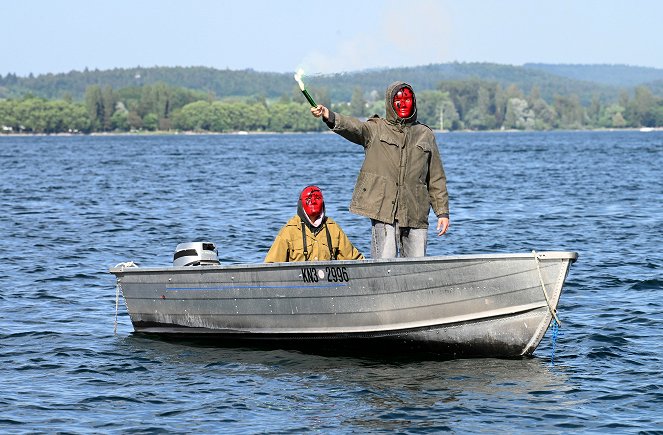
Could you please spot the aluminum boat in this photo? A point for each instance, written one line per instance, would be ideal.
(494, 305)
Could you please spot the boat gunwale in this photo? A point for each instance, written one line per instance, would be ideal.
(572, 256)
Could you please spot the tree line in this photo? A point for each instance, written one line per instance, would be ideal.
(455, 105)
(585, 81)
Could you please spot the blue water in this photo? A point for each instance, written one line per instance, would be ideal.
(74, 206)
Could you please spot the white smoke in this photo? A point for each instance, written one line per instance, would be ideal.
(404, 34)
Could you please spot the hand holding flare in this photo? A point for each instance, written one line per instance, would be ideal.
(298, 78)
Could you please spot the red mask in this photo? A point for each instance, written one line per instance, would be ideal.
(403, 102)
(312, 202)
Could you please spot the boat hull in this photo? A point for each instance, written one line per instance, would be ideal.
(475, 305)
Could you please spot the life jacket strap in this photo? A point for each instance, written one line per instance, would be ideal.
(332, 252)
(304, 241)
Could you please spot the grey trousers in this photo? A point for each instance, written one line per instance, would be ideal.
(389, 240)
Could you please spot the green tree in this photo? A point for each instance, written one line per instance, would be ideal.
(519, 115)
(481, 116)
(641, 111)
(358, 103)
(134, 120)
(256, 116)
(462, 93)
(8, 119)
(430, 105)
(195, 116)
(475, 101)
(108, 102)
(151, 122)
(120, 120)
(94, 103)
(220, 117)
(571, 114)
(544, 114)
(612, 116)
(594, 111)
(292, 117)
(658, 114)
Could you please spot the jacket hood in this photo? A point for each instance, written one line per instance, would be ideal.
(389, 98)
(304, 217)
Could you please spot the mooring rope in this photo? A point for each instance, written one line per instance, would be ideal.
(543, 286)
(555, 330)
(556, 323)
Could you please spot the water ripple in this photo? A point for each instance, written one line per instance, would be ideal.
(75, 206)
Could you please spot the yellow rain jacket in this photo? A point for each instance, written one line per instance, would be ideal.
(288, 245)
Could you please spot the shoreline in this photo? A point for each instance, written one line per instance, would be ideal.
(162, 133)
(254, 133)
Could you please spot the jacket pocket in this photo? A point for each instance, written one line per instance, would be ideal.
(419, 161)
(424, 146)
(369, 192)
(390, 137)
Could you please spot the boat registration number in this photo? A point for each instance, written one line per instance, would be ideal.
(330, 273)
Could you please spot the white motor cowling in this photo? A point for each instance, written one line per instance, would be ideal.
(195, 254)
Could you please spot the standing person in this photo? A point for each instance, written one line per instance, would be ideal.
(311, 235)
(401, 178)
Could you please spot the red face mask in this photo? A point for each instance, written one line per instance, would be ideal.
(312, 202)
(403, 102)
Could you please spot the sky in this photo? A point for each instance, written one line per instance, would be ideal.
(324, 37)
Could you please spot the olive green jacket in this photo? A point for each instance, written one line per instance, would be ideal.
(288, 244)
(402, 176)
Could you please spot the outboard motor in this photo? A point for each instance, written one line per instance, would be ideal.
(195, 254)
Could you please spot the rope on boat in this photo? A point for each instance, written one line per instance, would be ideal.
(543, 286)
(117, 291)
(555, 331)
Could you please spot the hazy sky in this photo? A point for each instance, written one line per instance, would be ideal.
(42, 36)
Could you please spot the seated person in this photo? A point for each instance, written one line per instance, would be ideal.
(310, 235)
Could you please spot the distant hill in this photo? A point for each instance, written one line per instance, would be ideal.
(221, 83)
(429, 77)
(586, 81)
(613, 75)
(656, 87)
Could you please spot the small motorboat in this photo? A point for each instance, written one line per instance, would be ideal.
(492, 305)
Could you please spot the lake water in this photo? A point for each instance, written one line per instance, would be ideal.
(74, 206)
